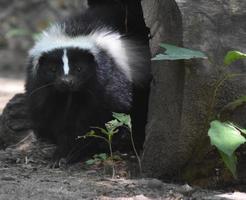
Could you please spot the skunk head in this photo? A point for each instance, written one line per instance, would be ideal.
(69, 69)
(70, 62)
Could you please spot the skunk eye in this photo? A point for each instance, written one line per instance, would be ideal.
(78, 69)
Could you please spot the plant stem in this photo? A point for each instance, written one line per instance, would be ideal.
(100, 137)
(218, 84)
(111, 155)
(135, 151)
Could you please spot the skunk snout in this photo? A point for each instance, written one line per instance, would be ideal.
(65, 83)
(67, 80)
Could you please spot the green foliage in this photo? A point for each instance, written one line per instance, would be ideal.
(124, 119)
(227, 138)
(97, 158)
(106, 134)
(233, 56)
(230, 162)
(177, 53)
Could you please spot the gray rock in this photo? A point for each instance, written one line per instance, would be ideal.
(163, 128)
(14, 122)
(213, 27)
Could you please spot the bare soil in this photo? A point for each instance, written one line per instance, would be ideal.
(25, 174)
(37, 181)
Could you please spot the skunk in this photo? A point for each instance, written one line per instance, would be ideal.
(81, 70)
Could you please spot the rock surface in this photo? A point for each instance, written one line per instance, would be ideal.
(165, 102)
(14, 122)
(175, 133)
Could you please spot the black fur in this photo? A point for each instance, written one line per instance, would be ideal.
(64, 107)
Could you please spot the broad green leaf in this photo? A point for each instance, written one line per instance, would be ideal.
(123, 118)
(230, 162)
(178, 53)
(234, 104)
(233, 56)
(225, 137)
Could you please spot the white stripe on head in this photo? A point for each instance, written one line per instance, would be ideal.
(65, 62)
(56, 38)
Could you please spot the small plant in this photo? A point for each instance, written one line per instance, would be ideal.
(226, 136)
(106, 134)
(97, 158)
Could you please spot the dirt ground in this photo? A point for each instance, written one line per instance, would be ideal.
(26, 177)
(37, 181)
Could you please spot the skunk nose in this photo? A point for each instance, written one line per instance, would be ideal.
(67, 80)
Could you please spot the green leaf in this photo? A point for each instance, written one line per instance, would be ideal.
(233, 56)
(230, 162)
(239, 128)
(89, 134)
(123, 118)
(90, 162)
(112, 125)
(234, 104)
(102, 156)
(177, 53)
(225, 137)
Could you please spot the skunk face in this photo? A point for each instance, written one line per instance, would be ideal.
(68, 69)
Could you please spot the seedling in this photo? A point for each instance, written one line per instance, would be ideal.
(106, 134)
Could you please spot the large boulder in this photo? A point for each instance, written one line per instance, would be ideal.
(164, 19)
(177, 131)
(15, 123)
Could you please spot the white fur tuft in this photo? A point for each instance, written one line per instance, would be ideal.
(56, 38)
(65, 62)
